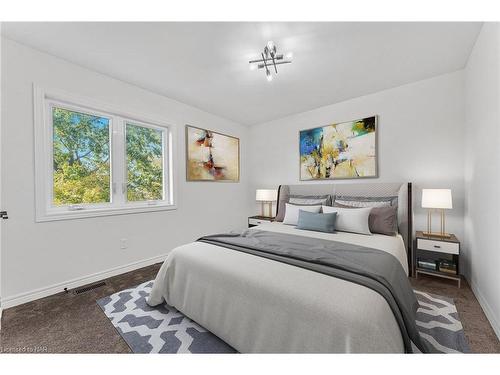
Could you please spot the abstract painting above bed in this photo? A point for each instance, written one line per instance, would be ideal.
(211, 156)
(336, 151)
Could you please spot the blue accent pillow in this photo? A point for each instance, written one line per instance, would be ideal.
(317, 222)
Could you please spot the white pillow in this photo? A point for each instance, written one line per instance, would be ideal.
(292, 212)
(350, 219)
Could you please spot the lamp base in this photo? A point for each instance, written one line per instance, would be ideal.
(440, 235)
(263, 214)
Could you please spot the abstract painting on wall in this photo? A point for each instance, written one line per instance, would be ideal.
(336, 151)
(211, 156)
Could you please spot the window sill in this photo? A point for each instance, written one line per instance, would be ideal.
(96, 212)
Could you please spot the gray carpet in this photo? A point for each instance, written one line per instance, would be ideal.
(163, 329)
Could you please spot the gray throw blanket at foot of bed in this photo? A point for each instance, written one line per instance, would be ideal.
(371, 268)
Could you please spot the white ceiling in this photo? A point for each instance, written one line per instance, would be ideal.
(206, 64)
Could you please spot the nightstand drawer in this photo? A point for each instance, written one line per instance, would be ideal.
(438, 246)
(257, 221)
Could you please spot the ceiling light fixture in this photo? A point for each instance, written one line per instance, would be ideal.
(270, 59)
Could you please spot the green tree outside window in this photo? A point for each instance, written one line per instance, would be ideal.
(80, 158)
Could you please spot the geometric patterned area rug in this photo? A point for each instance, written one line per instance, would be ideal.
(439, 324)
(163, 329)
(159, 329)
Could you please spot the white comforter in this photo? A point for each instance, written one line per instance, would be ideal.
(259, 305)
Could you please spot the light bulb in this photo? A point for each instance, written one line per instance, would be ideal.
(289, 55)
(253, 66)
(270, 44)
(269, 76)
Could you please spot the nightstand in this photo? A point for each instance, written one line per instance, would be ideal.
(257, 220)
(438, 257)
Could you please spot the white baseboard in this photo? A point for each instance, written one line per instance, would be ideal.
(488, 311)
(21, 298)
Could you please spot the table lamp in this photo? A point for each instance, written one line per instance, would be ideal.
(266, 196)
(436, 199)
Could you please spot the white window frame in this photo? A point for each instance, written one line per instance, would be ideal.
(44, 101)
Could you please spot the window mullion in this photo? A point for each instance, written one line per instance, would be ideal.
(118, 165)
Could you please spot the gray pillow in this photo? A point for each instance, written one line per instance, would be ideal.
(382, 220)
(317, 221)
(364, 204)
(359, 201)
(300, 200)
(322, 201)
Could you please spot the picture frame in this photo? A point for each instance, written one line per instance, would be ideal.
(338, 151)
(211, 156)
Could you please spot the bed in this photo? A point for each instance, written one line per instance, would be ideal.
(259, 305)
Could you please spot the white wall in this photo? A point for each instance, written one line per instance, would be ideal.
(40, 255)
(482, 172)
(420, 139)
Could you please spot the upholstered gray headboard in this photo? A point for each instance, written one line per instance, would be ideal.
(402, 190)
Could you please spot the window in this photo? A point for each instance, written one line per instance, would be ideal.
(81, 158)
(92, 160)
(144, 163)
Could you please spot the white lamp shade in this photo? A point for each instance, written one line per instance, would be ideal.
(266, 195)
(437, 198)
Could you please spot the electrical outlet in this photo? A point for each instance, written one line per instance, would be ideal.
(123, 243)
